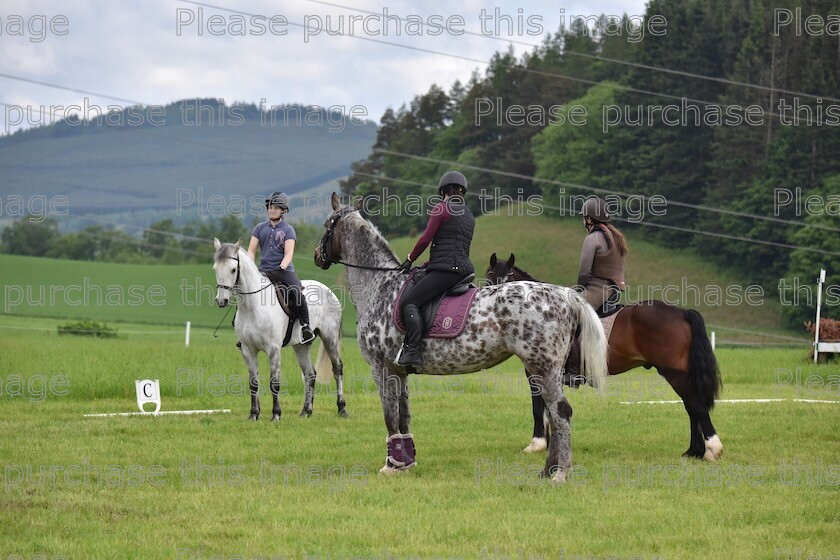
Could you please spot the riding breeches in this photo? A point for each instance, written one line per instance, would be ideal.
(289, 279)
(598, 291)
(433, 284)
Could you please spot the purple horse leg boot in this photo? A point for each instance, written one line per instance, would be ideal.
(409, 452)
(401, 452)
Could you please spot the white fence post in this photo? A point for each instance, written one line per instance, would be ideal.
(713, 341)
(820, 283)
(187, 336)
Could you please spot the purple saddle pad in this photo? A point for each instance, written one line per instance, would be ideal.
(451, 316)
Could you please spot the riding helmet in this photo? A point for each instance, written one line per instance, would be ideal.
(280, 199)
(596, 209)
(453, 178)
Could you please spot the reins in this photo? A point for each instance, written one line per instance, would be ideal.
(233, 289)
(377, 268)
(323, 247)
(236, 281)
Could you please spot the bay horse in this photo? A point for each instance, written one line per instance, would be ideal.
(261, 325)
(649, 334)
(533, 321)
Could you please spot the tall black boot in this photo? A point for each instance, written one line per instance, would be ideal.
(571, 375)
(411, 356)
(306, 334)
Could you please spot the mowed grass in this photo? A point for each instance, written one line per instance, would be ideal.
(218, 486)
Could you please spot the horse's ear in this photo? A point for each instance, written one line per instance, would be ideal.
(358, 204)
(216, 243)
(336, 202)
(238, 244)
(511, 260)
(493, 260)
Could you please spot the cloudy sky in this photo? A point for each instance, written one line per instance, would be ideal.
(139, 52)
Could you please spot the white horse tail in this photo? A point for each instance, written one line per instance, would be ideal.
(593, 342)
(323, 366)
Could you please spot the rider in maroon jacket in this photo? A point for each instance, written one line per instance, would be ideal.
(450, 231)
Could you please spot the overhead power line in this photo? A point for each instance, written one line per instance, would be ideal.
(606, 191)
(600, 58)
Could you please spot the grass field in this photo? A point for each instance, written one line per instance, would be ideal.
(174, 294)
(221, 487)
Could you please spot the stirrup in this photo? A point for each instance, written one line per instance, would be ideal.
(306, 334)
(409, 357)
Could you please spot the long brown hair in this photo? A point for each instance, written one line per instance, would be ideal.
(617, 235)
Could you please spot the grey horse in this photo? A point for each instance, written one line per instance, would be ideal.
(261, 325)
(535, 322)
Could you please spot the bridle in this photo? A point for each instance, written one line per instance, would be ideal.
(234, 288)
(326, 243)
(502, 279)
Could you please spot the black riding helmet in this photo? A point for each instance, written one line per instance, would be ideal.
(280, 199)
(452, 179)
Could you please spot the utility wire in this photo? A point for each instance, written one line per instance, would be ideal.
(600, 58)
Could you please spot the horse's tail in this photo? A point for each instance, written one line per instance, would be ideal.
(703, 371)
(593, 342)
(323, 366)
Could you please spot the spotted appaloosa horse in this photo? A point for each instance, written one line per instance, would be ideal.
(261, 325)
(650, 334)
(535, 322)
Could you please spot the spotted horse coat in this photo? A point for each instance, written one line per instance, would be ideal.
(533, 321)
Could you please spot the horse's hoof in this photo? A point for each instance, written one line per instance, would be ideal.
(692, 454)
(714, 449)
(275, 417)
(389, 470)
(559, 476)
(305, 413)
(537, 444)
(343, 413)
(253, 417)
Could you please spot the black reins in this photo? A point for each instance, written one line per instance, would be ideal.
(233, 289)
(236, 280)
(323, 247)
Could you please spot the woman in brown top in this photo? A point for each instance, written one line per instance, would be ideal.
(601, 273)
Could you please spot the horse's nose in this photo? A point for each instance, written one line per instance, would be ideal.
(222, 302)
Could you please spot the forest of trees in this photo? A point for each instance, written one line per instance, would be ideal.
(743, 183)
(161, 243)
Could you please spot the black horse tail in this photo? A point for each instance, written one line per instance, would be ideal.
(703, 370)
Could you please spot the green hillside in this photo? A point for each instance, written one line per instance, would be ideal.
(546, 247)
(174, 169)
(152, 294)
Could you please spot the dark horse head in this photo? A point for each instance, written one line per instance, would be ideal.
(500, 272)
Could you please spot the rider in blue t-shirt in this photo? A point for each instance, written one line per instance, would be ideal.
(276, 241)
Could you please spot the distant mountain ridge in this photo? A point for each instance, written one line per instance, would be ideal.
(147, 158)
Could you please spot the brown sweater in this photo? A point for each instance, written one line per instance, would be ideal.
(600, 259)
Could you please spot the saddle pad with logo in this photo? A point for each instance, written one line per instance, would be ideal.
(450, 317)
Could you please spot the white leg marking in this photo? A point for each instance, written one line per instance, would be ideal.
(714, 449)
(537, 444)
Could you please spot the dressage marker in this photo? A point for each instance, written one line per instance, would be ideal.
(148, 391)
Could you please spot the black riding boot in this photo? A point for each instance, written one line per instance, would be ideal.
(571, 373)
(411, 355)
(306, 334)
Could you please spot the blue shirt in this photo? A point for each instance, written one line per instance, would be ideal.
(272, 240)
